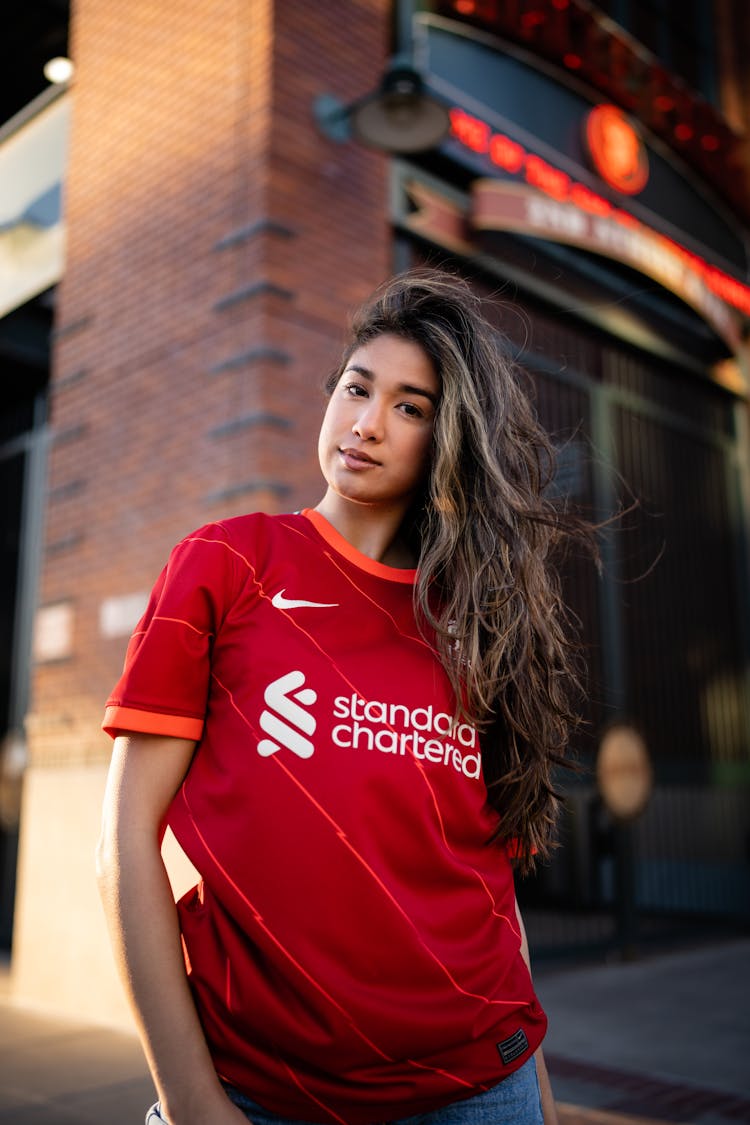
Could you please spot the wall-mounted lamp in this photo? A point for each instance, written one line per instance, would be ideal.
(398, 117)
(58, 70)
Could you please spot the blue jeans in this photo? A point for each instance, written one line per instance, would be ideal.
(514, 1101)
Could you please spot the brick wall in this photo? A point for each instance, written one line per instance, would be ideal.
(216, 242)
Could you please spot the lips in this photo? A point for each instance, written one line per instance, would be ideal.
(357, 458)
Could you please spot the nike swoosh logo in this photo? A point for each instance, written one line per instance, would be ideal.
(280, 602)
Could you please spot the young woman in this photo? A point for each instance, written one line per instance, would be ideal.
(350, 718)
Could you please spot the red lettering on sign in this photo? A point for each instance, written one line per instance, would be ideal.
(548, 179)
(589, 201)
(470, 131)
(506, 153)
(513, 157)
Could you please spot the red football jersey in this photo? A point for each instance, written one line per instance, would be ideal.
(352, 946)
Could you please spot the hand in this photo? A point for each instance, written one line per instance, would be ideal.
(223, 1112)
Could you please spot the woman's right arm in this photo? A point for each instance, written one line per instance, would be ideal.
(145, 773)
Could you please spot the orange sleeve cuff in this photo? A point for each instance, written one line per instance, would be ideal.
(119, 719)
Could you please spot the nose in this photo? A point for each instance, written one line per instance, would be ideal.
(369, 423)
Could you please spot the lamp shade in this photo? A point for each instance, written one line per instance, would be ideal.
(400, 117)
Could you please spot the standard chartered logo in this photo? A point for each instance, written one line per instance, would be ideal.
(285, 719)
(396, 729)
(425, 733)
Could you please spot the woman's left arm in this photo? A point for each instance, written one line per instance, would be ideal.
(545, 1089)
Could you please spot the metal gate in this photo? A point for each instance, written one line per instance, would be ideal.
(665, 631)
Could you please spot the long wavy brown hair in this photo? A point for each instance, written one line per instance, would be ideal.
(484, 531)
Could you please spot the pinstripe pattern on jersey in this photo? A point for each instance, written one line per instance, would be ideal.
(343, 837)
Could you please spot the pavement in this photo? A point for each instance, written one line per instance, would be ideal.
(663, 1038)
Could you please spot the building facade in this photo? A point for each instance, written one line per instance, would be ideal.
(593, 186)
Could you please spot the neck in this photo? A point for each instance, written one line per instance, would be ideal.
(372, 530)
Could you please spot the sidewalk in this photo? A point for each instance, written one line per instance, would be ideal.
(666, 1037)
(662, 1039)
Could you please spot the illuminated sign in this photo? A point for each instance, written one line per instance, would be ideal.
(497, 205)
(647, 246)
(587, 43)
(617, 152)
(518, 207)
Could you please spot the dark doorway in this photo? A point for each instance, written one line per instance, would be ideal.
(24, 376)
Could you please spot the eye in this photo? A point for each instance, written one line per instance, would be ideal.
(356, 390)
(411, 410)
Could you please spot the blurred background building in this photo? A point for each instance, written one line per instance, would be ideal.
(185, 224)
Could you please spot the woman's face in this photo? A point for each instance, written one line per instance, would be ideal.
(376, 437)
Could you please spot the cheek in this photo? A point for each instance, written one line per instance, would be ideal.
(323, 438)
(325, 425)
(329, 432)
(422, 456)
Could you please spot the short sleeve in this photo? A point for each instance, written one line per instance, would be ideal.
(164, 685)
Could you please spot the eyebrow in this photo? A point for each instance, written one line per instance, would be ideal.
(402, 388)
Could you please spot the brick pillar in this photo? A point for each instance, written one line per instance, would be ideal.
(216, 242)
